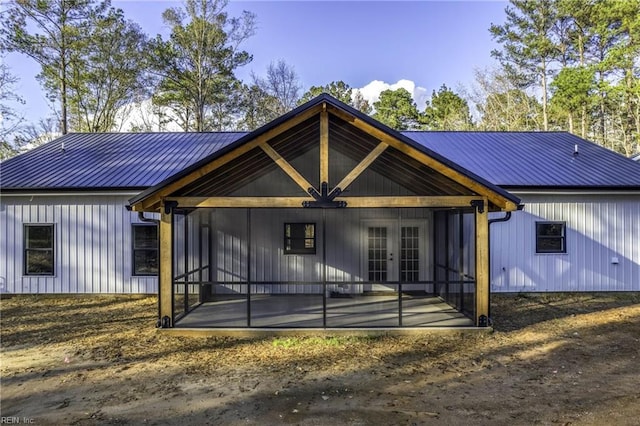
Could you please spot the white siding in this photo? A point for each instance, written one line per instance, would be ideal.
(93, 245)
(599, 229)
(93, 252)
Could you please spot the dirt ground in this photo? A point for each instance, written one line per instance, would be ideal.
(552, 359)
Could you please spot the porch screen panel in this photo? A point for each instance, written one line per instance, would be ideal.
(377, 248)
(410, 254)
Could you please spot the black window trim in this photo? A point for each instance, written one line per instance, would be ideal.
(25, 249)
(133, 250)
(563, 237)
(310, 251)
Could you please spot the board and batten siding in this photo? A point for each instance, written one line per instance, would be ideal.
(92, 250)
(269, 264)
(602, 245)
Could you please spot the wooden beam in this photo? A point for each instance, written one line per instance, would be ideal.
(238, 202)
(165, 277)
(152, 202)
(296, 202)
(324, 146)
(286, 167)
(445, 170)
(482, 267)
(409, 201)
(362, 166)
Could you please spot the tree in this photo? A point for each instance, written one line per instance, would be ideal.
(195, 67)
(338, 89)
(396, 109)
(29, 136)
(572, 90)
(280, 84)
(447, 111)
(361, 104)
(258, 107)
(108, 73)
(501, 105)
(58, 28)
(527, 46)
(9, 118)
(624, 59)
(342, 92)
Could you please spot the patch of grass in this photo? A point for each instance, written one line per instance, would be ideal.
(315, 341)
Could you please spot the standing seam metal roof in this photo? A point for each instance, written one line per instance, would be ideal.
(108, 161)
(534, 159)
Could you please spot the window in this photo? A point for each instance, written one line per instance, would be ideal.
(38, 249)
(299, 238)
(550, 237)
(145, 249)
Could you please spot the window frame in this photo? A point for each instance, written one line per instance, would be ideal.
(562, 237)
(297, 250)
(134, 250)
(26, 249)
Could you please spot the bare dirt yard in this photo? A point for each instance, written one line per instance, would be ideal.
(552, 359)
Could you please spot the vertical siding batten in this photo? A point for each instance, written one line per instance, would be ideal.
(598, 229)
(92, 245)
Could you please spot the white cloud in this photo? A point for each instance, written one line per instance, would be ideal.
(371, 92)
(143, 116)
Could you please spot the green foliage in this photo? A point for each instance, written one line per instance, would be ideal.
(258, 107)
(501, 105)
(590, 50)
(527, 47)
(396, 109)
(342, 92)
(108, 73)
(447, 111)
(195, 67)
(338, 89)
(53, 34)
(572, 87)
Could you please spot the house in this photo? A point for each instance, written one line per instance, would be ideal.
(322, 218)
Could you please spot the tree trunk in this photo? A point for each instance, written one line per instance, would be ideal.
(570, 122)
(63, 96)
(545, 118)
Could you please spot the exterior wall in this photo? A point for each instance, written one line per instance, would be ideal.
(344, 251)
(93, 249)
(93, 245)
(599, 229)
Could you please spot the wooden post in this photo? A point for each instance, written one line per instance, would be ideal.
(324, 146)
(165, 281)
(482, 265)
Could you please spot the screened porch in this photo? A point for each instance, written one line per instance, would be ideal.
(368, 268)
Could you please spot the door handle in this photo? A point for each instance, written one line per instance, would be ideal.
(391, 256)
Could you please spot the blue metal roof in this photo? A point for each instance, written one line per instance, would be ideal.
(105, 161)
(110, 161)
(534, 159)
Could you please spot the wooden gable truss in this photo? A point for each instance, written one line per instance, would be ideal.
(435, 182)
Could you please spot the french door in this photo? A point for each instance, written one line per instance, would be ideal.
(392, 252)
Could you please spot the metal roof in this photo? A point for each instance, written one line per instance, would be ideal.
(105, 161)
(534, 159)
(111, 161)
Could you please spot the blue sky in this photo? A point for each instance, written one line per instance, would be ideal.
(426, 43)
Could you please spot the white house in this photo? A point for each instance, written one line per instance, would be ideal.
(350, 223)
